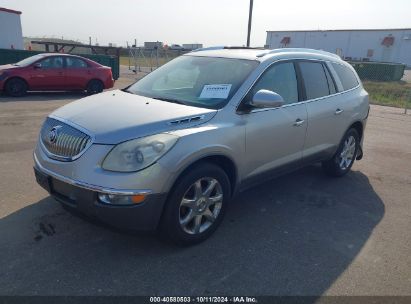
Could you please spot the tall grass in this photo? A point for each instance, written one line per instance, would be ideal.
(395, 94)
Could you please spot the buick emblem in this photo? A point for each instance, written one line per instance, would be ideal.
(54, 133)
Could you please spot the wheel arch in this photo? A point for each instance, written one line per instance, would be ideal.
(96, 79)
(16, 77)
(358, 126)
(223, 161)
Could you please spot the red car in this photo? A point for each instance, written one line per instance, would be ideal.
(54, 72)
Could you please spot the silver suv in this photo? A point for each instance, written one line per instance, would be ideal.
(170, 151)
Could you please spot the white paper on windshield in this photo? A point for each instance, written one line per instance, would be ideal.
(215, 91)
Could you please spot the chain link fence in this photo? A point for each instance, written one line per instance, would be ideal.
(387, 84)
(146, 60)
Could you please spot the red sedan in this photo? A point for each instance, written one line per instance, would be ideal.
(55, 72)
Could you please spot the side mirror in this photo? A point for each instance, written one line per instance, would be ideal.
(37, 65)
(266, 99)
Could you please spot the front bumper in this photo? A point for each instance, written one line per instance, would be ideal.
(83, 198)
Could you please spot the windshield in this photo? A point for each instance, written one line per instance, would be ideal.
(30, 60)
(207, 82)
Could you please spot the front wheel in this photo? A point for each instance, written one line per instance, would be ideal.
(196, 205)
(344, 158)
(16, 87)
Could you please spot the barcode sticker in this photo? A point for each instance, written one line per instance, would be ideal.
(215, 91)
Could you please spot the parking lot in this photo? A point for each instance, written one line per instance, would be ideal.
(299, 234)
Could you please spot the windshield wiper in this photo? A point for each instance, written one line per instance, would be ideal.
(169, 100)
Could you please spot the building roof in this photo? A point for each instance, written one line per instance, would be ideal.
(2, 9)
(344, 30)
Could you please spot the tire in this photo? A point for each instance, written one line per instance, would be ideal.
(16, 87)
(344, 158)
(191, 214)
(94, 87)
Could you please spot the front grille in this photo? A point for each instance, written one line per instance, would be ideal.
(62, 141)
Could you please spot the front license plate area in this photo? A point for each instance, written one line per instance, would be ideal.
(43, 180)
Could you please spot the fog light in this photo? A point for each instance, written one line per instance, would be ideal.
(113, 199)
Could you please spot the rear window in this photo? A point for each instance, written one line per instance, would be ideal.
(346, 75)
(73, 62)
(315, 81)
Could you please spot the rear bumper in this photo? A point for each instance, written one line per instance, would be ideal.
(84, 199)
(109, 84)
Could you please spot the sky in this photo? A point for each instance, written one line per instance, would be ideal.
(210, 22)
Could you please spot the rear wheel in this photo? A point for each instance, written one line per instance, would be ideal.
(16, 87)
(94, 87)
(196, 205)
(344, 158)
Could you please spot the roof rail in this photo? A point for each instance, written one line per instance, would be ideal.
(208, 48)
(301, 50)
(227, 48)
(243, 48)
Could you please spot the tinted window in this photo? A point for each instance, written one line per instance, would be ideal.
(75, 63)
(347, 77)
(331, 84)
(52, 63)
(315, 81)
(279, 78)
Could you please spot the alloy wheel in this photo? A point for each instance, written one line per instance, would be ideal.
(201, 205)
(348, 153)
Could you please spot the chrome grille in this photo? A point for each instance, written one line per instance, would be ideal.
(62, 141)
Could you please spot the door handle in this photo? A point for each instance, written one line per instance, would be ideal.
(338, 111)
(298, 122)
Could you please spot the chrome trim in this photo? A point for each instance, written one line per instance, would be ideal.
(75, 126)
(302, 102)
(88, 186)
(294, 103)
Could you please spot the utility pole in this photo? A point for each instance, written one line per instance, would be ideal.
(250, 17)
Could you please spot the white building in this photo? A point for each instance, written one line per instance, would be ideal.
(386, 45)
(11, 35)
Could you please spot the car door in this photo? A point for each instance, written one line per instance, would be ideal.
(78, 73)
(48, 74)
(275, 136)
(325, 111)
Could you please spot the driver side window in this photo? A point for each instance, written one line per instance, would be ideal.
(53, 62)
(280, 78)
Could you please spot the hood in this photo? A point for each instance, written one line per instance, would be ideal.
(8, 67)
(116, 116)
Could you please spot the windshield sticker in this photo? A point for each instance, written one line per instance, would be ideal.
(215, 91)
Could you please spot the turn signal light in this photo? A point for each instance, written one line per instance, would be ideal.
(137, 199)
(112, 199)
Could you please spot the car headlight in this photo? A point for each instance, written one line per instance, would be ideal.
(137, 154)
